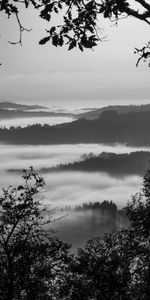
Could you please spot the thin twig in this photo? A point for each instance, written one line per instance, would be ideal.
(21, 30)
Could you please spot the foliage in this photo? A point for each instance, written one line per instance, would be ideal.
(139, 209)
(80, 19)
(36, 265)
(117, 265)
(33, 264)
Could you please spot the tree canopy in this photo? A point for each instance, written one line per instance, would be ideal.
(117, 265)
(34, 265)
(79, 26)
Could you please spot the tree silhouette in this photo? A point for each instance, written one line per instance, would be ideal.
(117, 265)
(33, 264)
(80, 20)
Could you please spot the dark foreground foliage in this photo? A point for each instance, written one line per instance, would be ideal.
(34, 264)
(79, 22)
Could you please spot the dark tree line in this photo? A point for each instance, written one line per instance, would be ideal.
(105, 205)
(112, 163)
(130, 129)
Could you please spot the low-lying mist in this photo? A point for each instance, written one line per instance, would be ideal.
(68, 188)
(23, 122)
(20, 157)
(78, 226)
(71, 188)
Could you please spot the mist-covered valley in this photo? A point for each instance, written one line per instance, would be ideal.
(78, 173)
(72, 188)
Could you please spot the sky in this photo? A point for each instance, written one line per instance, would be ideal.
(55, 76)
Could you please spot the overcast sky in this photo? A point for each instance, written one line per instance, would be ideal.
(45, 73)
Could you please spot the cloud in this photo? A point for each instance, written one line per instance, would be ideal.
(68, 188)
(76, 188)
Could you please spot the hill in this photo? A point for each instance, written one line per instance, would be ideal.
(132, 129)
(135, 163)
(10, 110)
(15, 106)
(91, 115)
(14, 114)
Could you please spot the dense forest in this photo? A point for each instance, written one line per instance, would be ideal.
(114, 164)
(110, 128)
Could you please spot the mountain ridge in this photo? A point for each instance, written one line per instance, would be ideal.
(132, 129)
(13, 105)
(94, 114)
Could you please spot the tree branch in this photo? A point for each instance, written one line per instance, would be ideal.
(21, 30)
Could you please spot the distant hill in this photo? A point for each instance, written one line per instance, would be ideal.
(16, 106)
(11, 110)
(14, 114)
(135, 163)
(91, 115)
(132, 129)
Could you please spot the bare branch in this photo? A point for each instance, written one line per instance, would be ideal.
(21, 30)
(144, 53)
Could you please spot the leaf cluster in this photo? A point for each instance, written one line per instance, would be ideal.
(80, 19)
